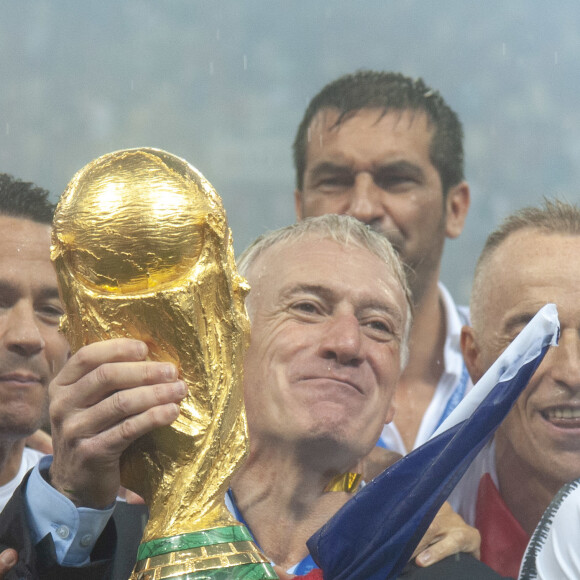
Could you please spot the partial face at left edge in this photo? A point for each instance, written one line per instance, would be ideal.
(32, 350)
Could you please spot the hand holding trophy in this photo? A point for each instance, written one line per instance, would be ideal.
(142, 250)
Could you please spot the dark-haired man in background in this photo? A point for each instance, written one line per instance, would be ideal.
(388, 150)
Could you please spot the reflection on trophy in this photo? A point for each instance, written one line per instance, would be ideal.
(142, 249)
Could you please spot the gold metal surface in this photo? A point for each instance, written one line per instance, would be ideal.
(212, 557)
(142, 249)
(348, 482)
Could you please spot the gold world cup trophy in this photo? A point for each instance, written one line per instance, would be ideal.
(142, 249)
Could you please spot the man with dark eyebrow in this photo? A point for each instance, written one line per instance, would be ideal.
(387, 150)
(533, 258)
(32, 350)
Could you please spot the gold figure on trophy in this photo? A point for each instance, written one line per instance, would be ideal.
(142, 249)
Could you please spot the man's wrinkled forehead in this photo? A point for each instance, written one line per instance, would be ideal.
(331, 118)
(262, 265)
(24, 239)
(277, 264)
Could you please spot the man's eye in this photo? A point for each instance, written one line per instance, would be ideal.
(50, 311)
(378, 325)
(380, 329)
(307, 309)
(394, 181)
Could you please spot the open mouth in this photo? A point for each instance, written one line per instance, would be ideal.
(565, 417)
(562, 414)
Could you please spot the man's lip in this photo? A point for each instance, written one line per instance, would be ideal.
(567, 416)
(23, 378)
(335, 379)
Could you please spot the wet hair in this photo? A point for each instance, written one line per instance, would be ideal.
(553, 217)
(388, 91)
(344, 230)
(25, 200)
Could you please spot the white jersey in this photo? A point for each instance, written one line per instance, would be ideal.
(452, 387)
(553, 549)
(30, 457)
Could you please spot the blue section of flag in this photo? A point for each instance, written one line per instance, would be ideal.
(373, 536)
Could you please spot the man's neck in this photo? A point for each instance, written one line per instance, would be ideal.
(526, 495)
(425, 366)
(10, 458)
(283, 503)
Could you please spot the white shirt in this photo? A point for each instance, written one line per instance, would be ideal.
(554, 549)
(454, 379)
(30, 457)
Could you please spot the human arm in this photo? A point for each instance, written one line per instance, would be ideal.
(448, 534)
(106, 396)
(37, 559)
(73, 530)
(8, 559)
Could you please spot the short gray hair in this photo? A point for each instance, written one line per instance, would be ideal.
(344, 230)
(553, 217)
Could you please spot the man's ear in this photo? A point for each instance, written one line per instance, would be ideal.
(298, 204)
(471, 353)
(390, 413)
(456, 205)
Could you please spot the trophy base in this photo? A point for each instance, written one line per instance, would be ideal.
(218, 554)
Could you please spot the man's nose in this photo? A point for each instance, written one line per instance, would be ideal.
(342, 340)
(21, 333)
(365, 203)
(565, 359)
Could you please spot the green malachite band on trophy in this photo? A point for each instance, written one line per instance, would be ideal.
(245, 572)
(193, 540)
